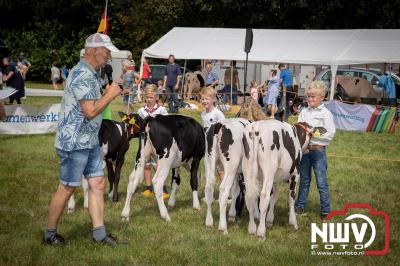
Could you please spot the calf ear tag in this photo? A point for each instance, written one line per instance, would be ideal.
(124, 118)
(132, 121)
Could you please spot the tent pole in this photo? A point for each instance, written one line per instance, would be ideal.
(140, 75)
(231, 79)
(245, 78)
(333, 81)
(183, 78)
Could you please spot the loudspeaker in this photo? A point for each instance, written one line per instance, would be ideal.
(249, 40)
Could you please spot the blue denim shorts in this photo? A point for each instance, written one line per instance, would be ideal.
(78, 163)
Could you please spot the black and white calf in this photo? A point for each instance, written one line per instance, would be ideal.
(114, 140)
(224, 148)
(273, 151)
(71, 202)
(175, 141)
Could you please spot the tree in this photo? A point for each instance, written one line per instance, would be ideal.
(48, 31)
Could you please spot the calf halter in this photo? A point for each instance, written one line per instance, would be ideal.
(304, 128)
(130, 121)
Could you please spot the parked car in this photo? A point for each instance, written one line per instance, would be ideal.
(157, 73)
(372, 76)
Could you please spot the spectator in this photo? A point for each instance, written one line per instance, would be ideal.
(55, 75)
(132, 67)
(64, 75)
(23, 65)
(146, 72)
(151, 108)
(255, 90)
(212, 77)
(172, 76)
(13, 79)
(272, 93)
(231, 76)
(160, 91)
(1, 79)
(77, 141)
(160, 88)
(2, 112)
(387, 83)
(128, 84)
(287, 87)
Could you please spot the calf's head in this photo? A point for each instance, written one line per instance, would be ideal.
(133, 124)
(305, 132)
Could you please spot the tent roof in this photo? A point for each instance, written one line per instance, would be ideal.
(318, 47)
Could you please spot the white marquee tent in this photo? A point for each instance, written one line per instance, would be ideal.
(314, 47)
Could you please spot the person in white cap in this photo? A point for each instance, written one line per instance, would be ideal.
(77, 141)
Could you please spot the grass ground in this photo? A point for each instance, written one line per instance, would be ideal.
(40, 85)
(29, 176)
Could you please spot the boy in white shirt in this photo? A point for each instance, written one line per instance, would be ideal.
(210, 115)
(151, 108)
(316, 115)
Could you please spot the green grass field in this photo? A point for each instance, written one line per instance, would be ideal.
(40, 85)
(29, 176)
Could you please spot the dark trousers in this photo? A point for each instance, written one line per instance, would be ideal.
(289, 97)
(227, 93)
(173, 102)
(12, 98)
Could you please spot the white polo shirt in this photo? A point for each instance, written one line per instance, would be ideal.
(212, 117)
(157, 110)
(319, 117)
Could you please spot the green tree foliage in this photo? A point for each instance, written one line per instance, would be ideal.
(136, 25)
(47, 31)
(54, 31)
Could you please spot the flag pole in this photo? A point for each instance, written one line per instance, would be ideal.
(105, 16)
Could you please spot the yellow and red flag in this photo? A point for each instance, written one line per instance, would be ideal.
(103, 27)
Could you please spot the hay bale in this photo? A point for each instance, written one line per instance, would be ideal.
(251, 110)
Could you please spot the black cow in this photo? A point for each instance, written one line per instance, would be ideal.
(175, 141)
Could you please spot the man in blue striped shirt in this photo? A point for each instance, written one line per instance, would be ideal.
(212, 78)
(77, 141)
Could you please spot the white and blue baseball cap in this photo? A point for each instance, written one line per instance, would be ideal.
(100, 40)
